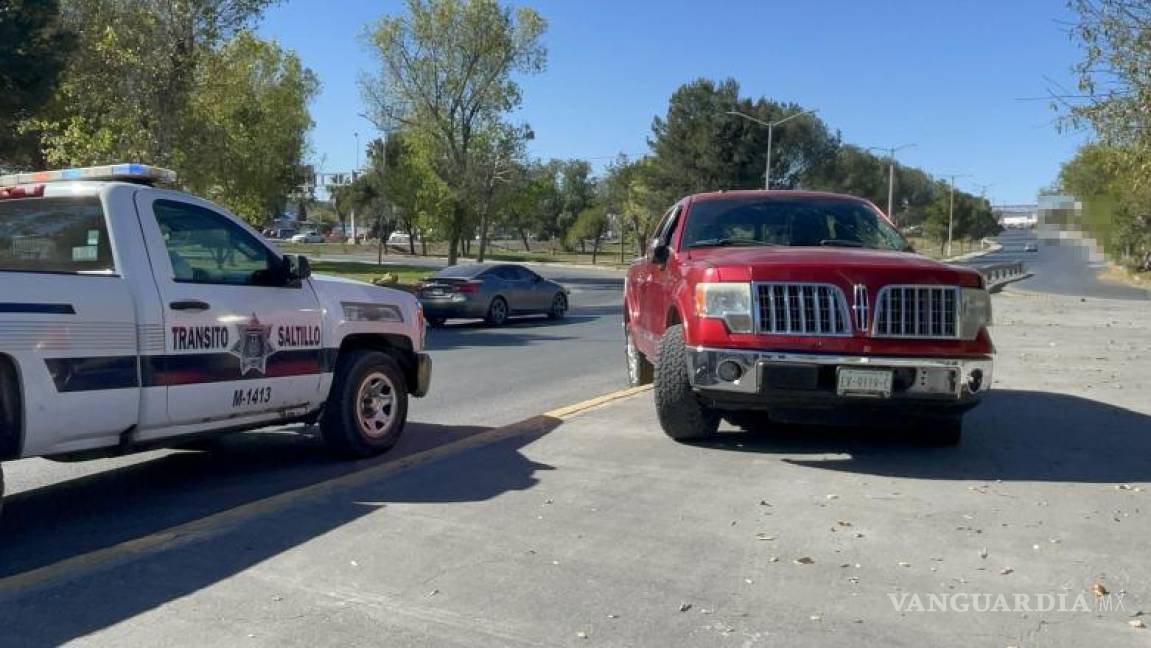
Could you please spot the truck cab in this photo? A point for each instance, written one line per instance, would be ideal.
(135, 317)
(802, 307)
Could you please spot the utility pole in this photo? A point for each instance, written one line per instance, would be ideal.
(951, 207)
(891, 151)
(770, 128)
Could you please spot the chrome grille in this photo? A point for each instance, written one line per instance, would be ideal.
(917, 312)
(802, 309)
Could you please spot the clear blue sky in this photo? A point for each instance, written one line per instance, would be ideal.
(947, 75)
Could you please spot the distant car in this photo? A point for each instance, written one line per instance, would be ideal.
(308, 237)
(491, 292)
(280, 233)
(399, 238)
(1031, 247)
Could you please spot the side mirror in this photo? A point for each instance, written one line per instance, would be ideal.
(303, 267)
(294, 269)
(660, 253)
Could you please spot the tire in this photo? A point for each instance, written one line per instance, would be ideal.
(941, 432)
(497, 312)
(355, 422)
(436, 322)
(681, 415)
(559, 307)
(639, 369)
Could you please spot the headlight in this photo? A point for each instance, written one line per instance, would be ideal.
(368, 312)
(730, 302)
(976, 312)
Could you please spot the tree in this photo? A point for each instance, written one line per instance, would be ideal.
(592, 223)
(149, 51)
(577, 191)
(412, 186)
(36, 50)
(250, 111)
(446, 70)
(1113, 178)
(698, 146)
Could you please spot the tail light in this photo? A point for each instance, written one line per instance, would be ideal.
(25, 191)
(469, 286)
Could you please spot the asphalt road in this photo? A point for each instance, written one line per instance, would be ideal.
(1060, 266)
(483, 378)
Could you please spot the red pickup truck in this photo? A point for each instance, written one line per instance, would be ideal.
(809, 307)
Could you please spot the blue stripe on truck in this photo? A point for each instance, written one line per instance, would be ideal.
(125, 372)
(37, 309)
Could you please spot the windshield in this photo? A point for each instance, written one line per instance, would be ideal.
(795, 222)
(54, 235)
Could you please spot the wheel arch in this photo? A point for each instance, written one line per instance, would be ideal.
(398, 346)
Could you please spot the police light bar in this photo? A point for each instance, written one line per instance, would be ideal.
(132, 172)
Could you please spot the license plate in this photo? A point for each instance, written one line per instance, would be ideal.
(864, 382)
(435, 292)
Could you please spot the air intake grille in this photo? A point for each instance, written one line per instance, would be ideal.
(802, 309)
(918, 312)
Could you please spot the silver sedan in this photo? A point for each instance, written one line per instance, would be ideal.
(492, 292)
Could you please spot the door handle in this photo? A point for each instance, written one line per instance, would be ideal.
(190, 304)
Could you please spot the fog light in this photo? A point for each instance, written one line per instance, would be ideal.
(975, 379)
(729, 371)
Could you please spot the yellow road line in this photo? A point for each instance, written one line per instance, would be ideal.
(202, 527)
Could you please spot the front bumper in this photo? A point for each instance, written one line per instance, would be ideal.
(423, 381)
(769, 377)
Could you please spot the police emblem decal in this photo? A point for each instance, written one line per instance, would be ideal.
(254, 346)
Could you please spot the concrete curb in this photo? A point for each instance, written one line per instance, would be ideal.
(220, 522)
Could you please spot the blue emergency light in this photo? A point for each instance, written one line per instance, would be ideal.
(126, 172)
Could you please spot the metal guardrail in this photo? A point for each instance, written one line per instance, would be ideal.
(997, 274)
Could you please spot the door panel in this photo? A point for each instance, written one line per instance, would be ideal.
(236, 342)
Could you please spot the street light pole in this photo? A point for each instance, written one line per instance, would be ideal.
(951, 207)
(891, 151)
(770, 127)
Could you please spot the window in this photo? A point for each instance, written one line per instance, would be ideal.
(206, 247)
(797, 222)
(666, 225)
(507, 273)
(66, 235)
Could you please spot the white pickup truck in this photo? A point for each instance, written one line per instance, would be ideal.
(133, 317)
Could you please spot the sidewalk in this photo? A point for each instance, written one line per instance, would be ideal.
(603, 532)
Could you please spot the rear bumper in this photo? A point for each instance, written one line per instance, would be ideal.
(808, 380)
(449, 308)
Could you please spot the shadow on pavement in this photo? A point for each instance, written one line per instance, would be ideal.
(69, 518)
(80, 604)
(1012, 436)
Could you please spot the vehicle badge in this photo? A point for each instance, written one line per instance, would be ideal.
(254, 346)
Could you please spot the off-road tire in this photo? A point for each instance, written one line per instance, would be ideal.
(681, 414)
(343, 431)
(642, 373)
(494, 316)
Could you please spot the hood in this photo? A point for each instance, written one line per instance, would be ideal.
(358, 290)
(845, 266)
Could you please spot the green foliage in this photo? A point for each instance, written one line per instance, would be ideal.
(698, 146)
(446, 74)
(249, 113)
(182, 85)
(1113, 178)
(36, 48)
